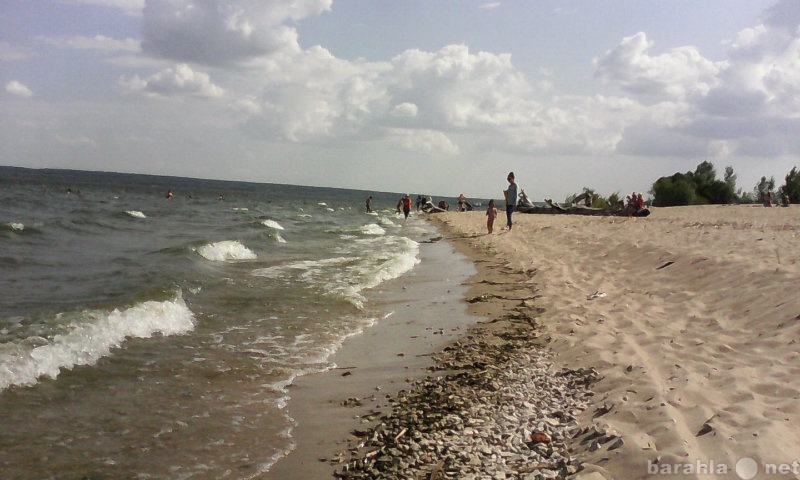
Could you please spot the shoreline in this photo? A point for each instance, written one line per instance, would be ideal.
(377, 364)
(680, 332)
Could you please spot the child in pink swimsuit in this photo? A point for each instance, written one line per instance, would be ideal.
(491, 214)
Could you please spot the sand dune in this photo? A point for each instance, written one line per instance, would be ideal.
(692, 317)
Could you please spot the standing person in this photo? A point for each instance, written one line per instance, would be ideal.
(511, 198)
(406, 201)
(461, 201)
(491, 214)
(369, 204)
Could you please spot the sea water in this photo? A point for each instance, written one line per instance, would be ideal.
(144, 337)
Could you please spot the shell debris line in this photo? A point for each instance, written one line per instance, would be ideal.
(494, 406)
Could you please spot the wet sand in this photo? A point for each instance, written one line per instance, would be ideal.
(426, 312)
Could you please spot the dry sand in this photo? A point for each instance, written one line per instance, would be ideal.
(692, 318)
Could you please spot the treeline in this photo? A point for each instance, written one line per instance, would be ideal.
(702, 187)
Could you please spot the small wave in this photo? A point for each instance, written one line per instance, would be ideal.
(348, 277)
(272, 224)
(15, 226)
(279, 239)
(386, 222)
(90, 338)
(135, 214)
(373, 229)
(226, 250)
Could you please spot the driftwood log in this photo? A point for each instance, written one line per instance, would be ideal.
(554, 208)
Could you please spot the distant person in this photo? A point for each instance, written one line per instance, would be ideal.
(221, 197)
(170, 195)
(491, 214)
(511, 199)
(444, 205)
(462, 200)
(406, 201)
(369, 204)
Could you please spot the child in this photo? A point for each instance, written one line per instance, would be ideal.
(491, 214)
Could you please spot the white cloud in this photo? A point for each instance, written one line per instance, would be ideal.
(98, 42)
(405, 110)
(423, 141)
(490, 6)
(223, 32)
(9, 53)
(130, 7)
(17, 89)
(680, 73)
(180, 81)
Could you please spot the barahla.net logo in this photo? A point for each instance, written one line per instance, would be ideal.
(745, 468)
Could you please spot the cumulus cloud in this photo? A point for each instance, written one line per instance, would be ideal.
(405, 110)
(425, 141)
(223, 32)
(17, 89)
(315, 95)
(748, 104)
(179, 81)
(679, 73)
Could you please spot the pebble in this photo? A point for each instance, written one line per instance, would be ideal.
(489, 410)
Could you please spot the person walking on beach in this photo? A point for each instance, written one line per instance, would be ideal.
(511, 199)
(491, 214)
(406, 201)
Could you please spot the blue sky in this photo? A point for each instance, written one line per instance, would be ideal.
(438, 97)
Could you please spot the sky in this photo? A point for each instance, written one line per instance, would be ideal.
(436, 97)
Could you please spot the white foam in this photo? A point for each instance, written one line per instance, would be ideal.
(135, 213)
(226, 250)
(92, 336)
(272, 224)
(379, 259)
(372, 229)
(16, 226)
(386, 222)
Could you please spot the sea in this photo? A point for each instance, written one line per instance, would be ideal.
(147, 337)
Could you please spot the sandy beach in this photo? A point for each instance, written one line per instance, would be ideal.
(690, 318)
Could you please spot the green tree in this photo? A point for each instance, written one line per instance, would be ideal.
(695, 188)
(792, 185)
(730, 178)
(678, 189)
(764, 187)
(709, 188)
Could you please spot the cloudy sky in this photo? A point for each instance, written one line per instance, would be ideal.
(424, 96)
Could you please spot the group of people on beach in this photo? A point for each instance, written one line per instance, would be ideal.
(510, 194)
